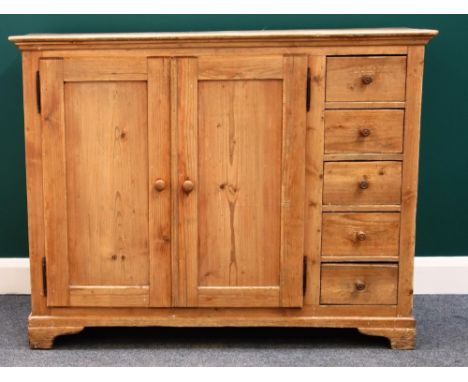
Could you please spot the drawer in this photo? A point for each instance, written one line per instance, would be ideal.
(362, 183)
(377, 78)
(360, 234)
(364, 131)
(349, 284)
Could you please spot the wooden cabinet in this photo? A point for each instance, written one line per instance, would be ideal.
(223, 179)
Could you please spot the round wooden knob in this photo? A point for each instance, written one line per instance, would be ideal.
(160, 185)
(361, 236)
(360, 285)
(366, 79)
(364, 132)
(188, 186)
(363, 184)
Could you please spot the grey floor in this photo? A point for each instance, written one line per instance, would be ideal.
(442, 341)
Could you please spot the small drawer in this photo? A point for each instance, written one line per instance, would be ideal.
(366, 79)
(354, 284)
(362, 183)
(364, 131)
(366, 235)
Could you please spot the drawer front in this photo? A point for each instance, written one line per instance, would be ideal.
(350, 284)
(362, 183)
(364, 131)
(378, 78)
(360, 234)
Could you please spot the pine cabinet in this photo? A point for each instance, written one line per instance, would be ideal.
(223, 179)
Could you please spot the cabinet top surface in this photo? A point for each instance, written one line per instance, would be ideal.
(403, 35)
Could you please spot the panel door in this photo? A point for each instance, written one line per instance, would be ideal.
(105, 126)
(240, 128)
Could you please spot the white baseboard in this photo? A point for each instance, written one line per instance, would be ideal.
(432, 275)
(441, 275)
(14, 276)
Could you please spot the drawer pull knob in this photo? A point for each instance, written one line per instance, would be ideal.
(366, 79)
(360, 285)
(361, 236)
(363, 184)
(364, 132)
(188, 186)
(160, 185)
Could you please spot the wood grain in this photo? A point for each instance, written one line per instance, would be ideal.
(400, 338)
(339, 284)
(240, 67)
(409, 190)
(107, 183)
(344, 131)
(350, 157)
(353, 105)
(114, 296)
(320, 316)
(372, 235)
(344, 78)
(314, 179)
(342, 183)
(159, 167)
(54, 181)
(239, 296)
(105, 69)
(362, 208)
(34, 181)
(293, 181)
(43, 337)
(240, 125)
(187, 169)
(150, 49)
(311, 37)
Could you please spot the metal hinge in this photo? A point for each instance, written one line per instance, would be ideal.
(308, 90)
(38, 91)
(44, 276)
(304, 276)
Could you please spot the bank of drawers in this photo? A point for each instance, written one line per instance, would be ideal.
(361, 196)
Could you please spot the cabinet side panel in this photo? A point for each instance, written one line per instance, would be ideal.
(409, 187)
(159, 154)
(33, 151)
(54, 181)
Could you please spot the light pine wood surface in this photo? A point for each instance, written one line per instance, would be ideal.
(361, 234)
(359, 284)
(356, 183)
(364, 131)
(223, 179)
(366, 79)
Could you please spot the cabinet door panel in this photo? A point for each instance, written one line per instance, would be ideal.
(239, 182)
(97, 185)
(241, 139)
(107, 173)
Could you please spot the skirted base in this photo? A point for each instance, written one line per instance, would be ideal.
(43, 330)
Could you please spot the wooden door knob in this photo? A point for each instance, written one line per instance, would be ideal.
(188, 186)
(364, 132)
(361, 236)
(160, 185)
(363, 184)
(360, 285)
(366, 79)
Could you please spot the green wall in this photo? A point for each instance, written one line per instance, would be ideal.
(442, 223)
